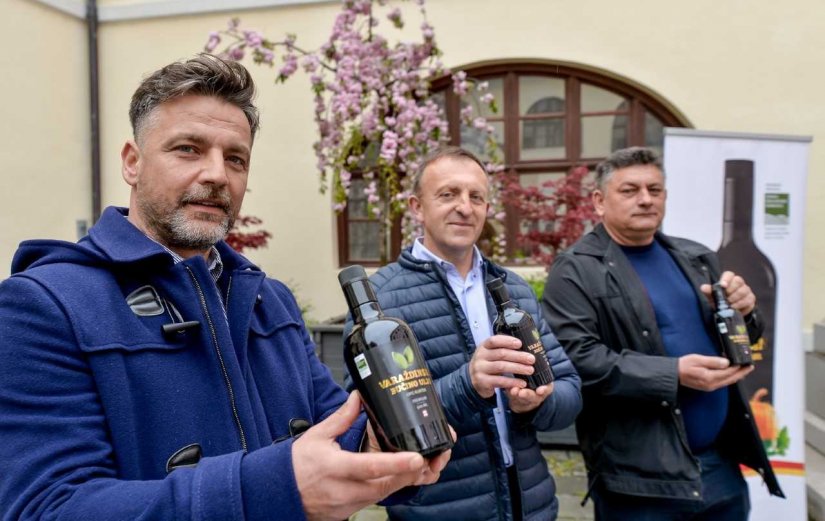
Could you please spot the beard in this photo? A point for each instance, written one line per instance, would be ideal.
(175, 229)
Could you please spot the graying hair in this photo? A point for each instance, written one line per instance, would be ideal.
(624, 158)
(441, 153)
(204, 75)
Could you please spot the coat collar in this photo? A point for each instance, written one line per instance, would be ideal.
(598, 243)
(410, 262)
(122, 242)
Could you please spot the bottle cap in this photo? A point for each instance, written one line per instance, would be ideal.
(356, 286)
(352, 273)
(498, 291)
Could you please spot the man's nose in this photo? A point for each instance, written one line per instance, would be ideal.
(213, 169)
(462, 204)
(645, 197)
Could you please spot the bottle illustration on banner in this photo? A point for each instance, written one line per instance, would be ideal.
(738, 253)
(388, 369)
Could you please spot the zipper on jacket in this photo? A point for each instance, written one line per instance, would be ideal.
(226, 300)
(220, 359)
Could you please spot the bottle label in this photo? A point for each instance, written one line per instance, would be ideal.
(530, 338)
(362, 366)
(399, 384)
(526, 331)
(740, 336)
(723, 328)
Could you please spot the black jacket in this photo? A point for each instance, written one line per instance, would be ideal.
(631, 430)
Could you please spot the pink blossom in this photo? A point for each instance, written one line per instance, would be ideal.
(253, 39)
(395, 17)
(289, 67)
(214, 40)
(372, 102)
(236, 53)
(267, 56)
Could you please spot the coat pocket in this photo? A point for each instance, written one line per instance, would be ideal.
(135, 334)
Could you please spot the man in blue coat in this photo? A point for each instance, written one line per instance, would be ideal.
(497, 471)
(151, 372)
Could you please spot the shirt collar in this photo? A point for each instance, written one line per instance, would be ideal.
(420, 252)
(213, 260)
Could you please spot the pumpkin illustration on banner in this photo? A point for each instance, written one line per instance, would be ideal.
(776, 440)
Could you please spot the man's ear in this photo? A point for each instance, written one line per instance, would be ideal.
(129, 158)
(415, 207)
(597, 197)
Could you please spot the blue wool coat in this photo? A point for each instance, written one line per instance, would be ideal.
(94, 398)
(473, 486)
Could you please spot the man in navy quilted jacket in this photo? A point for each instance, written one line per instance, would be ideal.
(497, 471)
(151, 372)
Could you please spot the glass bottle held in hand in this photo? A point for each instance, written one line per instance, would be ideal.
(514, 322)
(388, 369)
(732, 329)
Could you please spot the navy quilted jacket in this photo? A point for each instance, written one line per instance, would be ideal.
(473, 487)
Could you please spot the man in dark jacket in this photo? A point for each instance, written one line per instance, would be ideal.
(151, 372)
(665, 423)
(497, 471)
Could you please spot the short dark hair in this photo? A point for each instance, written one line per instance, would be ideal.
(205, 75)
(441, 153)
(624, 158)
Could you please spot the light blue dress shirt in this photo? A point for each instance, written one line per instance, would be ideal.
(471, 294)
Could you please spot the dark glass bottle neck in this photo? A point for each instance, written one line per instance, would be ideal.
(719, 297)
(508, 304)
(362, 301)
(738, 213)
(366, 312)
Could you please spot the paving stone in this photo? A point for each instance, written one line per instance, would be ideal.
(569, 472)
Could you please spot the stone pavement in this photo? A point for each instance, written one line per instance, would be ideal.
(571, 484)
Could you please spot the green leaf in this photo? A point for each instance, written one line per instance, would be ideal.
(400, 360)
(408, 355)
(783, 441)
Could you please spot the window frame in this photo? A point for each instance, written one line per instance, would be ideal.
(638, 99)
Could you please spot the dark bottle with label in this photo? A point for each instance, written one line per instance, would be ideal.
(388, 369)
(516, 323)
(733, 333)
(738, 253)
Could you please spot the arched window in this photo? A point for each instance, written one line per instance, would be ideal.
(544, 133)
(551, 117)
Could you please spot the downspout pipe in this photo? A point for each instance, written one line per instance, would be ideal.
(94, 106)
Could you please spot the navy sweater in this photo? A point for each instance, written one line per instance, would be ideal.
(683, 332)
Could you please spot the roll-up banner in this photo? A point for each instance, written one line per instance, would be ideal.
(743, 195)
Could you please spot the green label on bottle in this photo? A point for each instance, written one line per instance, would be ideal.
(363, 366)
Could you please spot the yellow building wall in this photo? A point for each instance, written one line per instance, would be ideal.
(729, 66)
(44, 126)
